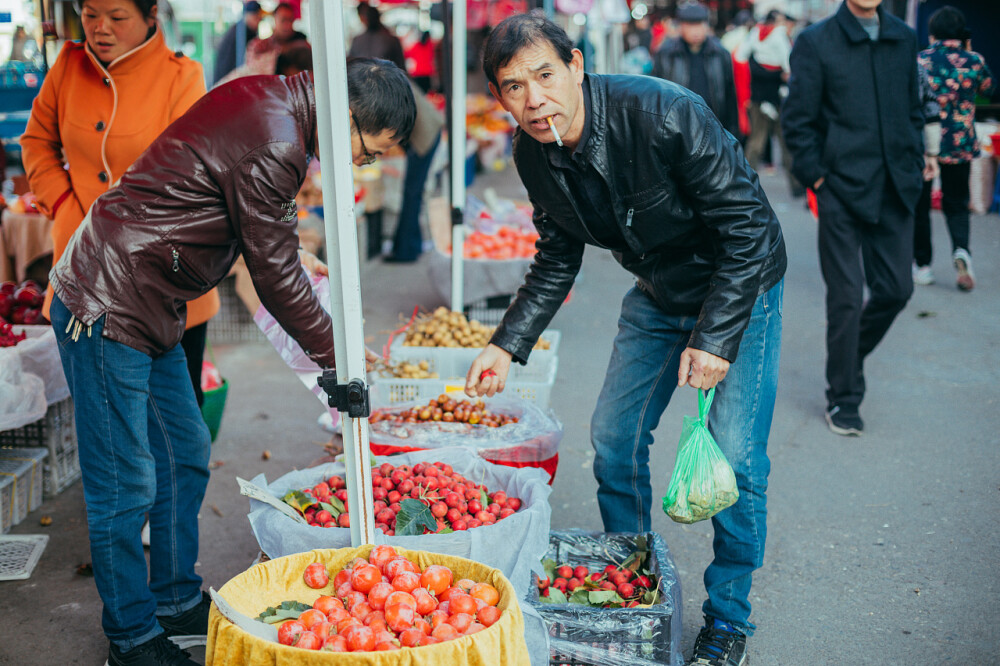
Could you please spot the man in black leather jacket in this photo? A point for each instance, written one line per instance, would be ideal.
(646, 170)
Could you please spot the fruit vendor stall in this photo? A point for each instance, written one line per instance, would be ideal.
(429, 540)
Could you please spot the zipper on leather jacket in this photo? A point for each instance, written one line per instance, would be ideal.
(178, 266)
(628, 219)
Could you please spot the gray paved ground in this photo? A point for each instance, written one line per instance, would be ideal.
(881, 550)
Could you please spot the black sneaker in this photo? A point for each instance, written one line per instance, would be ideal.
(191, 623)
(159, 651)
(845, 421)
(719, 644)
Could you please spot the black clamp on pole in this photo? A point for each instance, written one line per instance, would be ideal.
(350, 398)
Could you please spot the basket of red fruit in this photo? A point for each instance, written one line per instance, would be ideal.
(610, 600)
(313, 607)
(517, 433)
(447, 501)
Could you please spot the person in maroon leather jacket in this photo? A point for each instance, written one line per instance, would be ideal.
(219, 182)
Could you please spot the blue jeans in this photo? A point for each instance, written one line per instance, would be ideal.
(407, 242)
(642, 375)
(144, 448)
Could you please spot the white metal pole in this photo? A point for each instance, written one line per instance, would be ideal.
(457, 144)
(334, 134)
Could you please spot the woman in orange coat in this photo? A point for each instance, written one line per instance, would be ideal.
(102, 103)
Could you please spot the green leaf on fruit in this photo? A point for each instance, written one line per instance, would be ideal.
(298, 500)
(651, 596)
(286, 610)
(556, 596)
(550, 568)
(413, 518)
(484, 499)
(446, 530)
(580, 596)
(601, 597)
(338, 506)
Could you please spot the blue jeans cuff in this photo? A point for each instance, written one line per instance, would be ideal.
(126, 645)
(169, 610)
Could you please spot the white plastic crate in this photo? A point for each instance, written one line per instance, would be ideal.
(434, 355)
(6, 503)
(56, 432)
(531, 382)
(19, 554)
(24, 466)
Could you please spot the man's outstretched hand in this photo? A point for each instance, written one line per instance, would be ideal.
(488, 374)
(700, 369)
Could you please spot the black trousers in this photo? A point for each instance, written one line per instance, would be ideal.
(193, 343)
(851, 253)
(954, 204)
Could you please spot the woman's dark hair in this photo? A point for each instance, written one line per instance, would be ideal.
(948, 23)
(381, 98)
(425, 37)
(522, 31)
(145, 7)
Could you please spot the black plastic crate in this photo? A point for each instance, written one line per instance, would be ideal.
(586, 636)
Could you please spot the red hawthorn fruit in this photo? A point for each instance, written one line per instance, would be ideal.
(475, 506)
(643, 581)
(459, 525)
(573, 583)
(439, 509)
(608, 585)
(559, 584)
(514, 503)
(344, 519)
(626, 590)
(581, 572)
(565, 571)
(506, 512)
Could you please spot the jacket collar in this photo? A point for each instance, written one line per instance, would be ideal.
(888, 29)
(304, 96)
(134, 60)
(598, 97)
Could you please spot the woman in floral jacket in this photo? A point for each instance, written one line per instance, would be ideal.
(956, 75)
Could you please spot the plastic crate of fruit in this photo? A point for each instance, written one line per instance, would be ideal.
(56, 432)
(24, 466)
(601, 627)
(451, 335)
(533, 381)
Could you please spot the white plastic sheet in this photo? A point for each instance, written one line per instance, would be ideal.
(304, 368)
(22, 394)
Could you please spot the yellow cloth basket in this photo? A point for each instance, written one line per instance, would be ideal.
(270, 583)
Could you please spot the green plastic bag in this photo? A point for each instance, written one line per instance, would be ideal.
(703, 483)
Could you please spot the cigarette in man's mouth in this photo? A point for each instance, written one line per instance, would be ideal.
(555, 132)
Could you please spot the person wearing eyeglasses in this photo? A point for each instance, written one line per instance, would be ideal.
(218, 183)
